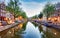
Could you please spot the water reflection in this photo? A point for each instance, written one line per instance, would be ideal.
(11, 33)
(49, 32)
(29, 30)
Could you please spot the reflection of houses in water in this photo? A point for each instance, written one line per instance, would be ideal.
(56, 15)
(11, 32)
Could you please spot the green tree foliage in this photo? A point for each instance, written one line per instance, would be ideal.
(48, 10)
(14, 7)
(34, 17)
(40, 15)
(23, 14)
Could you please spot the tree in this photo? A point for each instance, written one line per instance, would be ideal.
(48, 10)
(23, 14)
(14, 8)
(40, 15)
(35, 17)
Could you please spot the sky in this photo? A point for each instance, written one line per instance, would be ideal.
(34, 7)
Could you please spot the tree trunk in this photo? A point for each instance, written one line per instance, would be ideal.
(47, 15)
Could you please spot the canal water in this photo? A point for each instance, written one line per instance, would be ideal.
(30, 30)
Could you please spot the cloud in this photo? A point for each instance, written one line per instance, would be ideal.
(32, 8)
(54, 2)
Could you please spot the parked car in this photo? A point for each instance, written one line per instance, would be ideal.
(3, 23)
(18, 21)
(49, 21)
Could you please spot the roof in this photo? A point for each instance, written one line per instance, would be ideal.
(57, 6)
(1, 1)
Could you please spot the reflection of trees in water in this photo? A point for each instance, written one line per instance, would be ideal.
(21, 28)
(16, 32)
(3, 33)
(52, 33)
(20, 31)
(35, 24)
(10, 33)
(13, 32)
(47, 33)
(24, 26)
(41, 31)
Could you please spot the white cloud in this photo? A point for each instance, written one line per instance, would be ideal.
(32, 8)
(56, 1)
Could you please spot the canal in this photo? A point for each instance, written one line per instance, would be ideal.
(30, 30)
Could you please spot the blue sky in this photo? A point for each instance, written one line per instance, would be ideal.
(34, 7)
(36, 0)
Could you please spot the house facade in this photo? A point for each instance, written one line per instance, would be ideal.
(56, 16)
(4, 14)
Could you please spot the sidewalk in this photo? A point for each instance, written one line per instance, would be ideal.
(45, 23)
(2, 28)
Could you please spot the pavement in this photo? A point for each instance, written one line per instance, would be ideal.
(2, 28)
(45, 23)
